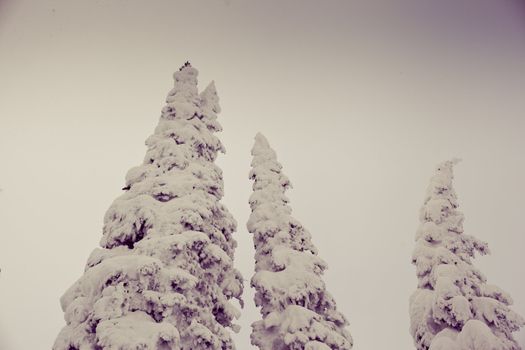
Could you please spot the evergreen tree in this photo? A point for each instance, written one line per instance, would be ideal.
(164, 275)
(297, 311)
(454, 308)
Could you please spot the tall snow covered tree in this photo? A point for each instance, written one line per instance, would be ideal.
(164, 275)
(453, 307)
(297, 311)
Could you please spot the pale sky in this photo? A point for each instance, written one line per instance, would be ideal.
(360, 99)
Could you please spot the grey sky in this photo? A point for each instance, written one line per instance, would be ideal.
(360, 99)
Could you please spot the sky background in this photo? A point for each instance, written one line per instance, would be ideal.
(360, 99)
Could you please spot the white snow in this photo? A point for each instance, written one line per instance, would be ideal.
(164, 275)
(454, 308)
(136, 331)
(297, 311)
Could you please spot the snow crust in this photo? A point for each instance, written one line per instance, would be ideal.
(164, 275)
(454, 308)
(137, 330)
(297, 311)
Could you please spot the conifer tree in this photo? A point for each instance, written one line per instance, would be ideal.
(164, 276)
(297, 311)
(454, 308)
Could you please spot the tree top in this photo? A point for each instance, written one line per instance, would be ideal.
(185, 65)
(261, 144)
(448, 165)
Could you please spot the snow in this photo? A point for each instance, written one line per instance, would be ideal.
(316, 345)
(295, 279)
(454, 308)
(200, 337)
(135, 331)
(443, 343)
(297, 311)
(297, 327)
(164, 275)
(95, 279)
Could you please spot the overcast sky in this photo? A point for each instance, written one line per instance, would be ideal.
(360, 99)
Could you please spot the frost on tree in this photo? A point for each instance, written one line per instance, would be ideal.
(297, 311)
(453, 307)
(164, 276)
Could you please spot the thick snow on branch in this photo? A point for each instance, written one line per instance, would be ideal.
(164, 276)
(454, 308)
(297, 311)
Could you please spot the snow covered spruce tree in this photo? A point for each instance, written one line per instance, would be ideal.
(297, 311)
(164, 275)
(454, 308)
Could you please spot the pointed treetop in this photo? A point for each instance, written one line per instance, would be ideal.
(266, 166)
(186, 64)
(261, 147)
(447, 166)
(210, 89)
(264, 155)
(210, 98)
(186, 74)
(442, 178)
(184, 87)
(261, 141)
(441, 197)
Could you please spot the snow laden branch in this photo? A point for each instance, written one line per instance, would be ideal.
(164, 276)
(453, 307)
(297, 311)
